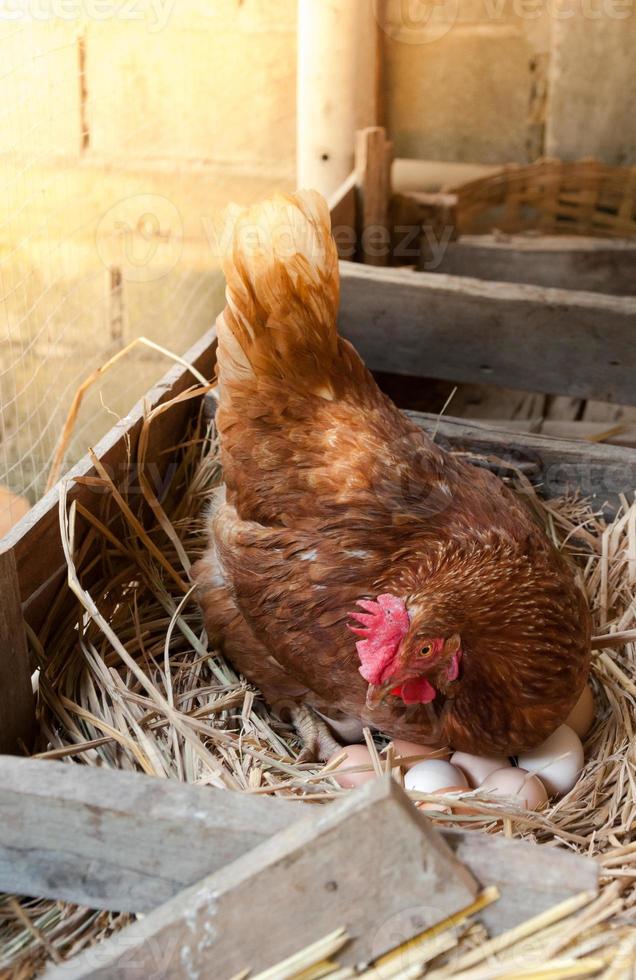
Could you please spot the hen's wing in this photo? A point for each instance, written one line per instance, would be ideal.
(295, 589)
(228, 629)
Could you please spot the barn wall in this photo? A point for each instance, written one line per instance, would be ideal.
(126, 126)
(593, 84)
(508, 80)
(469, 86)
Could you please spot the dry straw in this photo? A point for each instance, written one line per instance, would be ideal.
(127, 681)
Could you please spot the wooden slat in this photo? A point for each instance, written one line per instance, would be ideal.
(120, 840)
(590, 264)
(129, 841)
(606, 433)
(344, 223)
(551, 340)
(35, 540)
(347, 865)
(17, 712)
(558, 466)
(373, 169)
(422, 225)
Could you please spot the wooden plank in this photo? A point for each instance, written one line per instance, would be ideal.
(120, 840)
(530, 877)
(128, 841)
(571, 431)
(422, 225)
(550, 340)
(17, 708)
(351, 864)
(35, 540)
(600, 472)
(372, 167)
(565, 262)
(343, 210)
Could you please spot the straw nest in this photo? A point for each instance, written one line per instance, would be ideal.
(113, 659)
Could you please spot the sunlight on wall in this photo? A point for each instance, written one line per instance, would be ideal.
(125, 128)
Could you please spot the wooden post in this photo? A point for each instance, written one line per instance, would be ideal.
(373, 171)
(17, 710)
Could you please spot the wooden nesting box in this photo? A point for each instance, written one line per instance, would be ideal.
(436, 325)
(526, 289)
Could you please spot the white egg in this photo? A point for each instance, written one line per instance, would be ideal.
(477, 767)
(581, 717)
(526, 789)
(432, 775)
(557, 762)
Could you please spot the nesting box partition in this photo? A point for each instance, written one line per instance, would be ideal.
(552, 223)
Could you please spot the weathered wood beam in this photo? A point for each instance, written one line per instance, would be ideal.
(127, 841)
(349, 864)
(551, 340)
(17, 706)
(587, 434)
(373, 171)
(600, 472)
(344, 221)
(600, 265)
(120, 840)
(557, 466)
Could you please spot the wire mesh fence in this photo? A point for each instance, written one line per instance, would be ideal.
(123, 134)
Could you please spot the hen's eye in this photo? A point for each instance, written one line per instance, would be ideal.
(426, 650)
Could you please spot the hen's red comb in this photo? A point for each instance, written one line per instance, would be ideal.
(383, 625)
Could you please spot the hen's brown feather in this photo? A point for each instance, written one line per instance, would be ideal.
(332, 495)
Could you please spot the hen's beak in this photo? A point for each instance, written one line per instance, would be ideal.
(376, 693)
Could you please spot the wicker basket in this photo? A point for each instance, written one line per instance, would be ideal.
(551, 197)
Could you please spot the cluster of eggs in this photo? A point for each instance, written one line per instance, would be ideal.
(549, 770)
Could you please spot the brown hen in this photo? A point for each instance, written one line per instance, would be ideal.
(472, 629)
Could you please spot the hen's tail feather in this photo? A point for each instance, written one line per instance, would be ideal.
(282, 294)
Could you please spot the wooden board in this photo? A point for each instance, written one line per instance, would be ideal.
(591, 433)
(557, 466)
(344, 223)
(565, 262)
(120, 840)
(551, 340)
(370, 863)
(127, 841)
(17, 709)
(372, 168)
(349, 865)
